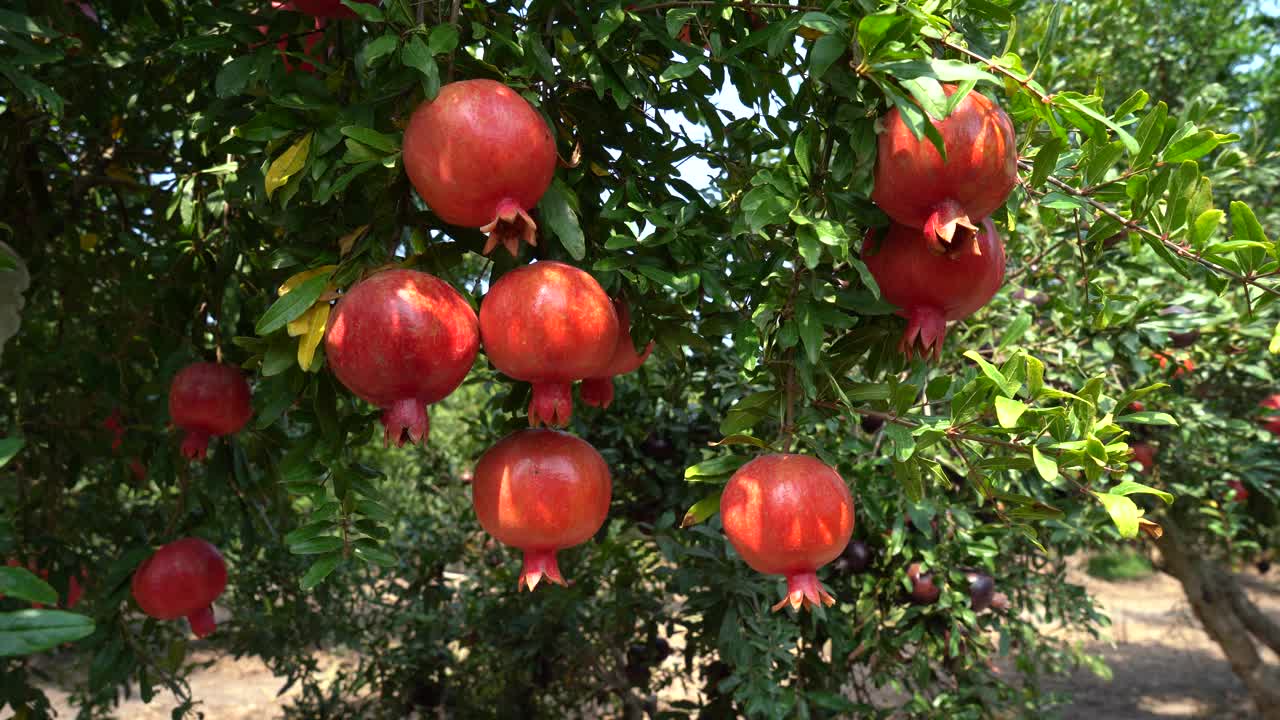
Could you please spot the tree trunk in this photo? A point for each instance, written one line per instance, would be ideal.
(1215, 597)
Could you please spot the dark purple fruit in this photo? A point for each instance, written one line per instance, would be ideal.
(856, 558)
(658, 447)
(982, 588)
(871, 424)
(924, 591)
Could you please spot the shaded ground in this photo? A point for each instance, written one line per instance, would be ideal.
(1164, 667)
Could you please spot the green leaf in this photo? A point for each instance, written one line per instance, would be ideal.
(811, 333)
(808, 245)
(21, 583)
(678, 18)
(681, 70)
(1196, 145)
(24, 25)
(821, 22)
(1205, 227)
(317, 545)
(368, 551)
(233, 77)
(1008, 411)
(416, 55)
(701, 510)
(1244, 223)
(443, 39)
(31, 631)
(292, 305)
(9, 447)
(610, 21)
(1045, 465)
(367, 12)
(825, 52)
(1130, 144)
(309, 531)
(1124, 513)
(1046, 160)
(320, 569)
(1129, 487)
(563, 221)
(380, 48)
(1148, 417)
(372, 138)
(715, 467)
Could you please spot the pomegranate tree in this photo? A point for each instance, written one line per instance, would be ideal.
(182, 579)
(947, 198)
(930, 288)
(481, 156)
(208, 399)
(540, 491)
(597, 391)
(402, 340)
(549, 324)
(789, 515)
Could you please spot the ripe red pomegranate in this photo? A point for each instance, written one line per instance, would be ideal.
(1239, 493)
(931, 289)
(549, 324)
(1144, 455)
(182, 579)
(1271, 421)
(208, 399)
(598, 391)
(541, 491)
(328, 8)
(402, 340)
(946, 199)
(789, 515)
(481, 156)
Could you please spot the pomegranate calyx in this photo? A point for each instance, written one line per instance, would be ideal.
(804, 592)
(948, 228)
(510, 225)
(598, 392)
(405, 421)
(195, 446)
(926, 331)
(551, 405)
(539, 564)
(202, 623)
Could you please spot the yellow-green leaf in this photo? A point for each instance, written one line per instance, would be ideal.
(318, 317)
(701, 510)
(289, 163)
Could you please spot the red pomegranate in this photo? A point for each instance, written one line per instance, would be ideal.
(598, 391)
(946, 199)
(1239, 493)
(402, 340)
(548, 324)
(481, 156)
(789, 515)
(328, 8)
(1184, 365)
(182, 579)
(541, 491)
(932, 289)
(1144, 455)
(208, 399)
(1271, 420)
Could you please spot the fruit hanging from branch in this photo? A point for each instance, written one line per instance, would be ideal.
(924, 591)
(549, 324)
(789, 515)
(982, 590)
(1145, 456)
(597, 391)
(402, 340)
(208, 399)
(541, 491)
(481, 156)
(947, 198)
(931, 289)
(182, 579)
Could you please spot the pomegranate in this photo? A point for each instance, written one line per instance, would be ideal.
(598, 391)
(208, 399)
(549, 324)
(328, 8)
(1239, 493)
(402, 340)
(946, 199)
(1183, 366)
(1271, 420)
(481, 156)
(1144, 455)
(931, 289)
(114, 424)
(924, 591)
(182, 579)
(789, 515)
(541, 491)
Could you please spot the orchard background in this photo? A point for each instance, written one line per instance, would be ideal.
(168, 171)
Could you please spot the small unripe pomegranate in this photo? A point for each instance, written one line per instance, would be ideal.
(947, 199)
(597, 391)
(481, 156)
(549, 324)
(541, 491)
(182, 579)
(402, 340)
(207, 399)
(788, 515)
(931, 289)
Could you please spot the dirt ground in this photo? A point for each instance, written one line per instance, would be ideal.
(1164, 666)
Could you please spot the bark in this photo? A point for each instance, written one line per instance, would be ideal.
(1208, 589)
